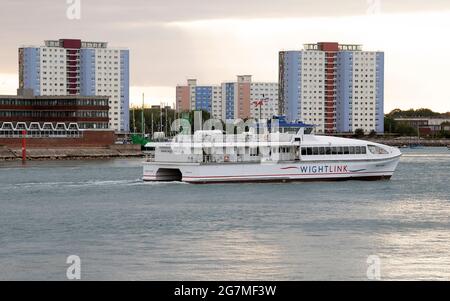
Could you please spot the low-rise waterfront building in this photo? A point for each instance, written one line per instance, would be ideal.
(426, 126)
(55, 121)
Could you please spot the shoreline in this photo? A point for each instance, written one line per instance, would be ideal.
(40, 159)
(408, 142)
(53, 154)
(134, 151)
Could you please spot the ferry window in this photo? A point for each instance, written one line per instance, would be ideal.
(328, 150)
(340, 150)
(334, 151)
(346, 150)
(376, 150)
(322, 151)
(303, 151)
(352, 150)
(309, 151)
(315, 151)
(357, 150)
(363, 150)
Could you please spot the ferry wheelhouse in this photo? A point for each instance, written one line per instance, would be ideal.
(287, 152)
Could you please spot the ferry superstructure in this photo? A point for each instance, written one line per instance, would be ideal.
(289, 154)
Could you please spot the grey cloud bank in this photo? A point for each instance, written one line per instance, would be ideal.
(164, 55)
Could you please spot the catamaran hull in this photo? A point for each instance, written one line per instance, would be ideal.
(379, 169)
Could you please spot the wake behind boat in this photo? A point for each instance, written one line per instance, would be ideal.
(288, 153)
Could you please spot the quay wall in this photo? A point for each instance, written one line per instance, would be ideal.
(75, 153)
(88, 139)
(407, 142)
(61, 149)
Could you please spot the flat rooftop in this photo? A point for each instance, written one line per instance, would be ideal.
(52, 97)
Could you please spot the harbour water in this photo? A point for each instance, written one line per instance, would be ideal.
(124, 229)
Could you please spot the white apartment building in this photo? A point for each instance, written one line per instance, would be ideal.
(268, 94)
(338, 88)
(230, 100)
(74, 67)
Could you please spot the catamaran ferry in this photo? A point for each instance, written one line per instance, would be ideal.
(289, 153)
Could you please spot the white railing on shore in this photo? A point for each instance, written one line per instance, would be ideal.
(46, 126)
(36, 130)
(39, 134)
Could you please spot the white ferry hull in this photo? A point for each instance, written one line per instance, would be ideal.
(196, 173)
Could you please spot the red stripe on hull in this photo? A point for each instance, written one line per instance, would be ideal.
(286, 175)
(368, 178)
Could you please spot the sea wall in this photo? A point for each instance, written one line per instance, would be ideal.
(406, 141)
(113, 151)
(87, 140)
(129, 150)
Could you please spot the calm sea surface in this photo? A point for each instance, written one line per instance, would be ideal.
(124, 229)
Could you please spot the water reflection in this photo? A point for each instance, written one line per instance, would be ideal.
(125, 230)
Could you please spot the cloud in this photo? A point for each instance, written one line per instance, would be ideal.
(214, 40)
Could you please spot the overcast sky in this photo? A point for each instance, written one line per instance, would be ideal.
(215, 40)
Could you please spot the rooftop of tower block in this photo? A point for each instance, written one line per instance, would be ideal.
(332, 46)
(75, 43)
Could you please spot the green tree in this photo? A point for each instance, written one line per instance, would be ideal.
(406, 130)
(395, 113)
(443, 134)
(157, 119)
(359, 133)
(390, 125)
(411, 113)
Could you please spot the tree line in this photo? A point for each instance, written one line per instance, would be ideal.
(161, 119)
(393, 126)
